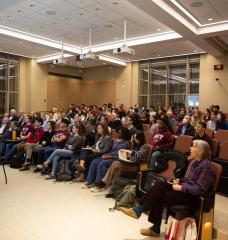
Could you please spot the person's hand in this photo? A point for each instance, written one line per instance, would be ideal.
(94, 150)
(43, 143)
(176, 181)
(177, 187)
(70, 147)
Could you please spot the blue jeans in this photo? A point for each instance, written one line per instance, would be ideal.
(10, 150)
(44, 153)
(98, 169)
(56, 156)
(153, 159)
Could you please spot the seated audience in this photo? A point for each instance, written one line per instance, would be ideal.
(137, 155)
(103, 145)
(73, 146)
(33, 140)
(221, 118)
(129, 124)
(45, 141)
(25, 133)
(99, 166)
(185, 191)
(212, 123)
(201, 133)
(161, 141)
(58, 141)
(186, 128)
(196, 117)
(4, 125)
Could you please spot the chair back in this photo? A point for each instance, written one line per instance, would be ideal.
(218, 171)
(210, 132)
(146, 127)
(223, 151)
(144, 166)
(221, 136)
(174, 127)
(214, 147)
(183, 143)
(168, 173)
(148, 136)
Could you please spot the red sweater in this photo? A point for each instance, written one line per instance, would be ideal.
(163, 139)
(36, 135)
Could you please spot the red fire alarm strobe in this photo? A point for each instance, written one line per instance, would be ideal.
(218, 67)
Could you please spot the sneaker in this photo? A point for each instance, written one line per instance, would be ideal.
(129, 211)
(149, 232)
(109, 195)
(24, 168)
(97, 189)
(36, 170)
(87, 185)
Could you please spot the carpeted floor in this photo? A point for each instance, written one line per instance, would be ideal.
(36, 209)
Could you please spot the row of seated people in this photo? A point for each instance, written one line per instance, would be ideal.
(99, 165)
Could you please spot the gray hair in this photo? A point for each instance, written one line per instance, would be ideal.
(204, 147)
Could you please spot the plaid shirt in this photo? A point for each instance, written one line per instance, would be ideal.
(201, 178)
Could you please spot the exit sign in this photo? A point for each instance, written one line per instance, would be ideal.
(218, 67)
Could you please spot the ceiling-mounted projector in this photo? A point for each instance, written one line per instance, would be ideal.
(84, 56)
(124, 49)
(60, 61)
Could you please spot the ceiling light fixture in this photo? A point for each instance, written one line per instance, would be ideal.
(81, 14)
(115, 3)
(97, 9)
(158, 29)
(116, 38)
(9, 17)
(112, 60)
(210, 19)
(32, 5)
(19, 11)
(108, 26)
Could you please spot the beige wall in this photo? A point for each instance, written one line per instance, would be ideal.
(40, 91)
(33, 86)
(63, 91)
(210, 92)
(127, 85)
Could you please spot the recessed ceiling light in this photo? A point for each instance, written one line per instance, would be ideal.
(97, 9)
(81, 14)
(32, 5)
(195, 50)
(116, 38)
(115, 3)
(66, 18)
(210, 19)
(9, 17)
(158, 29)
(104, 63)
(51, 12)
(108, 26)
(196, 4)
(54, 23)
(159, 55)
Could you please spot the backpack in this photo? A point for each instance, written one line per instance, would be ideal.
(119, 186)
(17, 160)
(180, 159)
(64, 172)
(184, 229)
(126, 198)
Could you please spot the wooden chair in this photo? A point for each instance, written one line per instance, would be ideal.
(204, 213)
(148, 136)
(221, 136)
(210, 132)
(146, 127)
(174, 127)
(223, 161)
(183, 143)
(214, 147)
